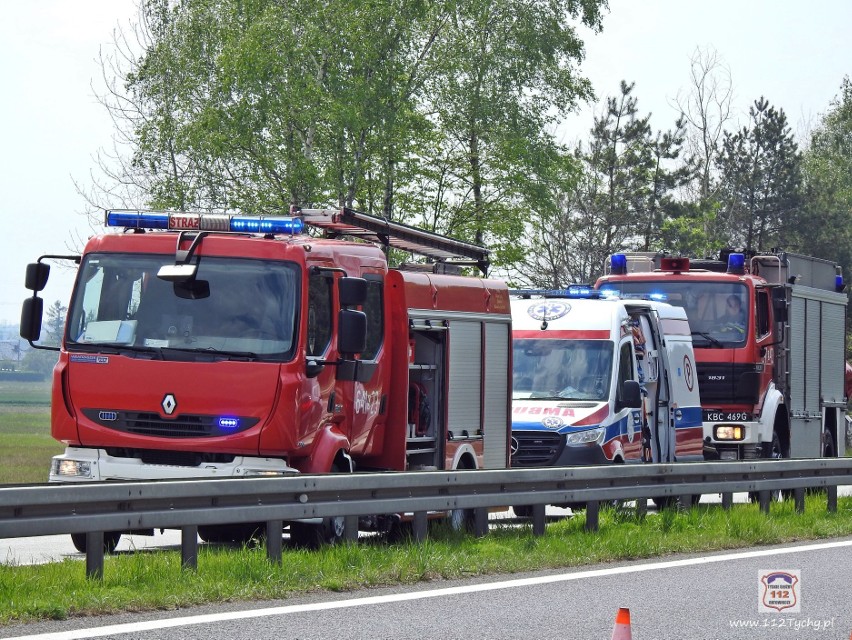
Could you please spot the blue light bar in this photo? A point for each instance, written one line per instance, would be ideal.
(574, 291)
(658, 296)
(137, 220)
(618, 264)
(180, 221)
(736, 263)
(288, 225)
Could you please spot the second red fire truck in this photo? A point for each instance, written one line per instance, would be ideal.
(769, 338)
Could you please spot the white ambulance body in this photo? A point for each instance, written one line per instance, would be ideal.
(600, 381)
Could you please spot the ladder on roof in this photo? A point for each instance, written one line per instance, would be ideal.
(437, 247)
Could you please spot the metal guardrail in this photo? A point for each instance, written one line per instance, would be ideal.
(36, 510)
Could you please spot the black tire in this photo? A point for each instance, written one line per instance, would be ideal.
(776, 452)
(238, 534)
(111, 539)
(523, 510)
(828, 448)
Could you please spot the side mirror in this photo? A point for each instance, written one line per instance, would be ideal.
(191, 289)
(353, 331)
(352, 291)
(779, 304)
(31, 314)
(37, 274)
(631, 395)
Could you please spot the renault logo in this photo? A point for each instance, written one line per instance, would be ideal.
(169, 404)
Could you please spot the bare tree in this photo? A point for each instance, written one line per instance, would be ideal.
(706, 108)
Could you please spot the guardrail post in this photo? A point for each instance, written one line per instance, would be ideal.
(641, 507)
(538, 519)
(764, 498)
(95, 555)
(420, 526)
(189, 546)
(832, 498)
(799, 499)
(274, 540)
(727, 500)
(592, 513)
(350, 528)
(480, 522)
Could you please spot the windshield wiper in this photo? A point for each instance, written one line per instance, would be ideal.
(118, 349)
(709, 338)
(210, 351)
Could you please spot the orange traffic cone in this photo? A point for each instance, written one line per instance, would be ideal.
(621, 630)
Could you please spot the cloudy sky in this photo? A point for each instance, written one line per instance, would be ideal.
(795, 54)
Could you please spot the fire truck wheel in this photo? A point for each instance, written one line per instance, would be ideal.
(111, 539)
(232, 533)
(313, 536)
(523, 510)
(776, 452)
(828, 448)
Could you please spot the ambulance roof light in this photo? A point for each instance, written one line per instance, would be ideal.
(573, 291)
(179, 221)
(618, 264)
(736, 263)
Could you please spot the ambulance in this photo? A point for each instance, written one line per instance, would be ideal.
(601, 380)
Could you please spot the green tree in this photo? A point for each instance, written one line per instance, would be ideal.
(437, 113)
(827, 169)
(625, 190)
(760, 180)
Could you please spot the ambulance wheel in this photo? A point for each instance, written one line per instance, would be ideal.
(523, 510)
(111, 539)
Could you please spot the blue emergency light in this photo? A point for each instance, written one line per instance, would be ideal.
(618, 264)
(839, 285)
(736, 263)
(180, 221)
(576, 291)
(229, 424)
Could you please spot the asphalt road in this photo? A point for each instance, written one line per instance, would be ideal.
(699, 597)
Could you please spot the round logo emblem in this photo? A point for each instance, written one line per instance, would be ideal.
(552, 422)
(548, 310)
(688, 375)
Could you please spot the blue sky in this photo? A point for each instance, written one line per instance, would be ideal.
(51, 126)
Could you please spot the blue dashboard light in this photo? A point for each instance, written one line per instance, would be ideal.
(736, 263)
(618, 264)
(137, 219)
(229, 423)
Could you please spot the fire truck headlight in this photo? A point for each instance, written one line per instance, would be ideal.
(70, 468)
(585, 437)
(729, 432)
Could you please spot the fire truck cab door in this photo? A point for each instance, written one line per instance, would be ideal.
(369, 397)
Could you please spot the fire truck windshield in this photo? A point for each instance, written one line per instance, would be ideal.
(717, 311)
(562, 369)
(232, 307)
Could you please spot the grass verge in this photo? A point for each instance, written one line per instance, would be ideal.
(153, 579)
(26, 446)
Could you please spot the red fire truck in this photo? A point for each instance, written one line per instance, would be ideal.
(769, 338)
(207, 346)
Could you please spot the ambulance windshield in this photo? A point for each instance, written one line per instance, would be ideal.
(233, 307)
(554, 369)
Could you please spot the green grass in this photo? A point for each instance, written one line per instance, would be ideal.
(149, 580)
(26, 446)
